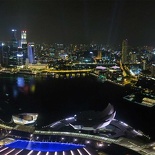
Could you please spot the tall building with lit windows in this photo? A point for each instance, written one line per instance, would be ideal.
(22, 53)
(23, 39)
(14, 41)
(153, 70)
(124, 51)
(14, 35)
(31, 52)
(15, 51)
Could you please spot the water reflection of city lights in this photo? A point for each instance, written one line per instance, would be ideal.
(32, 88)
(4, 88)
(23, 87)
(26, 89)
(20, 82)
(15, 92)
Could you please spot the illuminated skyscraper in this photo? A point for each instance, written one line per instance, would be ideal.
(22, 53)
(31, 52)
(14, 35)
(23, 35)
(153, 70)
(99, 55)
(14, 38)
(23, 39)
(125, 51)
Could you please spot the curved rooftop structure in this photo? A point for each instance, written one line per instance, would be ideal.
(87, 120)
(101, 67)
(25, 118)
(102, 123)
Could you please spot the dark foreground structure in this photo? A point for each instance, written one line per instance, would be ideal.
(85, 133)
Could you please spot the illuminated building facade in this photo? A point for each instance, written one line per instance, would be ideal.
(133, 57)
(13, 49)
(125, 51)
(153, 70)
(16, 52)
(14, 38)
(31, 52)
(9, 51)
(22, 49)
(14, 35)
(25, 118)
(4, 54)
(23, 39)
(20, 57)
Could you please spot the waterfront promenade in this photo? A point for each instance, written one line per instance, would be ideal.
(14, 132)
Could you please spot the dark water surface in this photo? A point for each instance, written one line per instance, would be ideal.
(54, 99)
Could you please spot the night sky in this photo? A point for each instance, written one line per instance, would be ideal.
(80, 21)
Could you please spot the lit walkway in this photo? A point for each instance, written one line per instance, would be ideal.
(144, 149)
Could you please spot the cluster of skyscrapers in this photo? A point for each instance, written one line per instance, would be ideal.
(16, 52)
(19, 52)
(146, 58)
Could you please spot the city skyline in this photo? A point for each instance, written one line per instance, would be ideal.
(80, 21)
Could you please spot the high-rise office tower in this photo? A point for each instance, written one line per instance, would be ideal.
(23, 39)
(20, 56)
(124, 51)
(31, 52)
(4, 53)
(153, 70)
(11, 56)
(14, 35)
(99, 55)
(14, 41)
(22, 53)
(133, 57)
